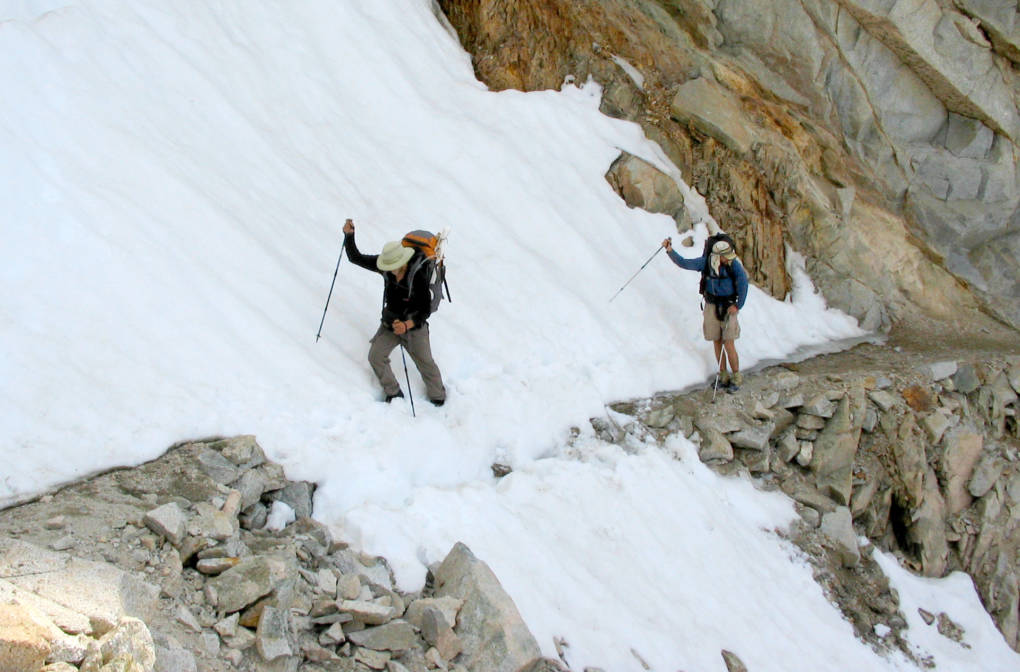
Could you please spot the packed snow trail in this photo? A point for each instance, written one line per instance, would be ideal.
(175, 176)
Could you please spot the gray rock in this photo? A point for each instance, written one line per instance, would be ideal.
(241, 585)
(962, 451)
(251, 485)
(714, 447)
(838, 527)
(1003, 394)
(808, 496)
(935, 425)
(272, 639)
(100, 592)
(437, 632)
(494, 636)
(184, 616)
(966, 379)
(171, 656)
(940, 370)
(333, 635)
(819, 405)
(884, 400)
(242, 451)
(836, 447)
(369, 613)
(927, 529)
(756, 461)
(1013, 375)
(64, 543)
(713, 111)
(733, 662)
(449, 607)
(377, 660)
(254, 517)
(787, 446)
(806, 453)
(168, 521)
(130, 638)
(227, 627)
(212, 523)
(24, 645)
(297, 496)
(987, 472)
(782, 419)
(792, 400)
(642, 185)
(870, 420)
(396, 635)
(786, 381)
(217, 467)
(753, 436)
(807, 421)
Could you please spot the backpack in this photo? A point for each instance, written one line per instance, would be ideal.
(712, 240)
(429, 258)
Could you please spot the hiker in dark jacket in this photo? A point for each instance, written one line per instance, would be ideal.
(725, 294)
(405, 314)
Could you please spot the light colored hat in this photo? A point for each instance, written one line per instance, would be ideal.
(723, 249)
(394, 255)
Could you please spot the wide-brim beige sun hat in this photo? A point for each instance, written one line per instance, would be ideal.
(724, 250)
(394, 255)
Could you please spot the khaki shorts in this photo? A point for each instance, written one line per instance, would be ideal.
(713, 328)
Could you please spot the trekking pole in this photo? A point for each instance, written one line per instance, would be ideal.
(722, 353)
(342, 246)
(408, 379)
(638, 271)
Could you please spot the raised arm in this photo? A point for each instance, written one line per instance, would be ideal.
(366, 261)
(696, 264)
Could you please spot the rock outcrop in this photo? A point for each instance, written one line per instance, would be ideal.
(176, 566)
(922, 459)
(879, 139)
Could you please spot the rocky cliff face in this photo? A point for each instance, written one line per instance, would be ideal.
(876, 137)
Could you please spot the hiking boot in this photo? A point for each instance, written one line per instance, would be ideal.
(438, 402)
(724, 379)
(391, 397)
(736, 380)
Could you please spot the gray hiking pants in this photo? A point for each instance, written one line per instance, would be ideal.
(417, 344)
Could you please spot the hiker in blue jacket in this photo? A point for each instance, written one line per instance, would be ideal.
(724, 289)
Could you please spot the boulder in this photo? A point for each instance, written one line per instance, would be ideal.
(960, 457)
(836, 447)
(24, 645)
(966, 379)
(927, 529)
(272, 637)
(494, 636)
(168, 521)
(246, 582)
(642, 185)
(838, 528)
(130, 640)
(714, 111)
(101, 592)
(394, 636)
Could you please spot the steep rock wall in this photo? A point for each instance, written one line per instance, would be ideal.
(877, 138)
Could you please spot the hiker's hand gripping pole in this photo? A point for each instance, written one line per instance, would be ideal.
(640, 269)
(349, 224)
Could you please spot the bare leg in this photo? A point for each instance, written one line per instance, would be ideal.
(731, 355)
(718, 355)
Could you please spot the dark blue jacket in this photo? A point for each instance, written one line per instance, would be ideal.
(730, 281)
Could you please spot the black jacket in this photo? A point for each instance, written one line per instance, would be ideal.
(401, 300)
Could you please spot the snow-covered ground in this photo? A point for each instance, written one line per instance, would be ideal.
(174, 178)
